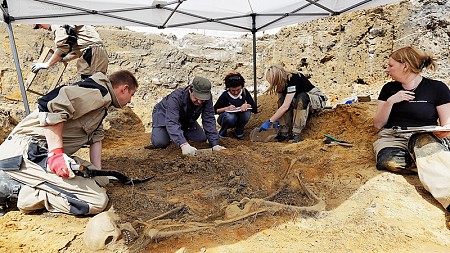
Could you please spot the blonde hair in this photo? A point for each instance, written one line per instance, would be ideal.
(416, 59)
(277, 77)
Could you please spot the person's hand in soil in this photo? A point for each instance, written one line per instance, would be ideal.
(187, 149)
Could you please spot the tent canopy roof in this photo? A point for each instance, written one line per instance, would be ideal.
(224, 15)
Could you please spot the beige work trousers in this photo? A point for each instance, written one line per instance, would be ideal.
(99, 61)
(295, 119)
(389, 138)
(433, 170)
(77, 196)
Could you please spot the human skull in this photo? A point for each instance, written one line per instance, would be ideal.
(101, 231)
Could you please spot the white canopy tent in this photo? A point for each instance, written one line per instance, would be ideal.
(225, 15)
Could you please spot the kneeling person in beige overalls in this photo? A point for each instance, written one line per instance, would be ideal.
(33, 159)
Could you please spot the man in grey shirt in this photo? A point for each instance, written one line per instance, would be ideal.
(175, 118)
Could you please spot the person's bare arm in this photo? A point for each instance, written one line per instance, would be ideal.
(95, 154)
(384, 107)
(69, 57)
(283, 108)
(444, 119)
(53, 134)
(381, 116)
(53, 60)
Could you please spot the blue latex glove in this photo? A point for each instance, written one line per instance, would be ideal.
(276, 125)
(265, 126)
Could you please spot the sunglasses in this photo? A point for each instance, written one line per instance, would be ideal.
(235, 78)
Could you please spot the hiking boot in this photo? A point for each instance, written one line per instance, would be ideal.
(223, 133)
(9, 190)
(282, 137)
(295, 138)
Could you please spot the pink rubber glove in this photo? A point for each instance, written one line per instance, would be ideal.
(57, 163)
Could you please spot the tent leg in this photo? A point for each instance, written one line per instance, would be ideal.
(255, 89)
(19, 71)
(255, 86)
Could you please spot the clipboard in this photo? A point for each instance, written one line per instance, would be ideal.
(424, 130)
(238, 109)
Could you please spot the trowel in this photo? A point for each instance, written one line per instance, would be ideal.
(263, 136)
(203, 151)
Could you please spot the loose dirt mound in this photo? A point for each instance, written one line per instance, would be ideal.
(201, 188)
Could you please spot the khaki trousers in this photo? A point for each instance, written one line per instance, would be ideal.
(433, 168)
(388, 138)
(295, 118)
(97, 61)
(77, 196)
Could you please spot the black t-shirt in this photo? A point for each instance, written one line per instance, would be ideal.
(225, 100)
(298, 83)
(422, 110)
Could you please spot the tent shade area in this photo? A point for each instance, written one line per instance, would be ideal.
(232, 15)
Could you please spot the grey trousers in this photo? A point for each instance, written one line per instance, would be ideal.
(160, 137)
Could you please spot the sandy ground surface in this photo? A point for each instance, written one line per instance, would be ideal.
(219, 200)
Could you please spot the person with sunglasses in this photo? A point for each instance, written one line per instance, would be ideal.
(234, 106)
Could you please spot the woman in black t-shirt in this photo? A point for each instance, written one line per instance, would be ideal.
(406, 106)
(297, 97)
(409, 101)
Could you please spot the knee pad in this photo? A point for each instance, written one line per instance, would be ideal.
(394, 159)
(425, 144)
(301, 101)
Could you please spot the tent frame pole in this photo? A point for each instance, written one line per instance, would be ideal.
(12, 42)
(255, 86)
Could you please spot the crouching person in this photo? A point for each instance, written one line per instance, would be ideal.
(175, 118)
(297, 99)
(34, 159)
(234, 106)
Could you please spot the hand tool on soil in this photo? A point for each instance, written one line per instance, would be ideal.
(263, 136)
(202, 151)
(82, 171)
(332, 140)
